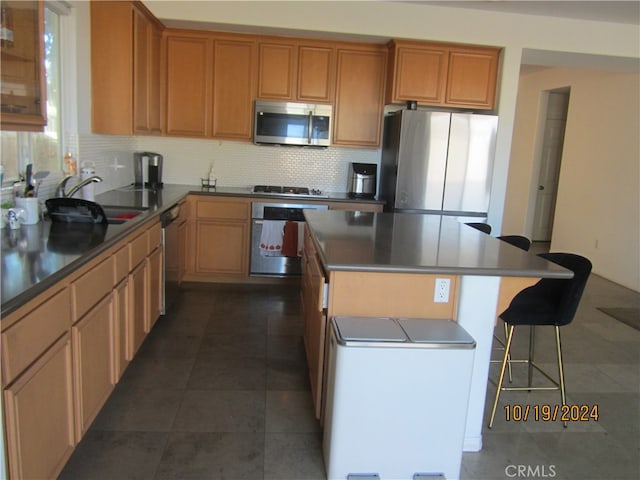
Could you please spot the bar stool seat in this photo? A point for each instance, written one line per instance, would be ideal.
(550, 302)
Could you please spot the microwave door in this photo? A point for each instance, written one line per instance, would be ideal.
(285, 128)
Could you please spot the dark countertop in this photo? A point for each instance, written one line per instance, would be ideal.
(418, 243)
(35, 257)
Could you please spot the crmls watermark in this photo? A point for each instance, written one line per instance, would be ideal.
(530, 471)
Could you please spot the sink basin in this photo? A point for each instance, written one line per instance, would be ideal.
(119, 215)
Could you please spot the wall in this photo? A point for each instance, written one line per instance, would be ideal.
(598, 206)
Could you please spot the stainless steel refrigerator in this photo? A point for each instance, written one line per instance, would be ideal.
(438, 162)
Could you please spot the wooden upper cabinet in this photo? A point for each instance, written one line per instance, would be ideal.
(293, 71)
(23, 87)
(188, 110)
(276, 71)
(359, 96)
(316, 73)
(125, 68)
(472, 77)
(442, 74)
(417, 73)
(233, 88)
(146, 74)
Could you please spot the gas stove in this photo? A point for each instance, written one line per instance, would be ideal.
(288, 191)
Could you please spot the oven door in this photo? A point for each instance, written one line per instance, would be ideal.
(275, 266)
(272, 266)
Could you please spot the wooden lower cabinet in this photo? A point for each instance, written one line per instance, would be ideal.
(39, 415)
(221, 247)
(154, 271)
(219, 231)
(93, 343)
(137, 309)
(314, 318)
(120, 329)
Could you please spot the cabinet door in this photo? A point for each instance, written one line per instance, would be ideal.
(154, 272)
(316, 73)
(111, 68)
(141, 73)
(472, 77)
(418, 73)
(359, 97)
(23, 88)
(121, 329)
(221, 247)
(189, 98)
(39, 415)
(314, 320)
(138, 304)
(233, 88)
(155, 99)
(93, 344)
(182, 250)
(276, 71)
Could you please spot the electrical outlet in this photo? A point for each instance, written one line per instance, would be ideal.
(441, 293)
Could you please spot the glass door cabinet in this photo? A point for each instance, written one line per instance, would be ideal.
(23, 103)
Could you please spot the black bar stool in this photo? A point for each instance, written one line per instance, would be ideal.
(550, 302)
(483, 227)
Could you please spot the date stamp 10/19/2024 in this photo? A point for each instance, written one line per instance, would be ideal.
(551, 413)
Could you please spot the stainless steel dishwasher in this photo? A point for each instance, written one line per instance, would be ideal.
(170, 267)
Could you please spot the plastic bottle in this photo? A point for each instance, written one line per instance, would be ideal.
(212, 177)
(70, 164)
(88, 191)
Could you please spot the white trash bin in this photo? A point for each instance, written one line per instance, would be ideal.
(397, 397)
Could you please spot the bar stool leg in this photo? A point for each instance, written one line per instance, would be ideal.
(532, 340)
(507, 348)
(563, 394)
(506, 334)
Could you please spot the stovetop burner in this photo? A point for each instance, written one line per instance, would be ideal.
(277, 190)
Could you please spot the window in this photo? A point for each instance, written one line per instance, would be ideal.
(42, 149)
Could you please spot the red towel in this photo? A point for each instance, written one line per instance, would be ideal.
(290, 240)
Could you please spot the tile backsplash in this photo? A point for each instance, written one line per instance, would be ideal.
(238, 164)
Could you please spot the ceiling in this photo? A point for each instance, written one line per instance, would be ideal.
(627, 11)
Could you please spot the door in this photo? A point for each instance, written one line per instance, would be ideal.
(470, 163)
(422, 155)
(553, 140)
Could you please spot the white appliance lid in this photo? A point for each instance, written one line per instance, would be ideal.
(368, 329)
(435, 331)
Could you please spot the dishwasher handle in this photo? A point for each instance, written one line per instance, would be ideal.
(170, 215)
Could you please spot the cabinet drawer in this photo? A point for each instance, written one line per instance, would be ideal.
(155, 237)
(138, 248)
(121, 264)
(30, 336)
(222, 210)
(87, 290)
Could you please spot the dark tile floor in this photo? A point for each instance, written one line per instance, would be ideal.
(219, 390)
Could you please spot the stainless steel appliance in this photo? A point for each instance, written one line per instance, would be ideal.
(265, 211)
(147, 169)
(289, 123)
(438, 162)
(362, 180)
(288, 191)
(170, 261)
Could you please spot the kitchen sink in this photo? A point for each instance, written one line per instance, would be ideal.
(119, 215)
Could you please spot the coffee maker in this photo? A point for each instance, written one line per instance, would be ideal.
(147, 169)
(362, 180)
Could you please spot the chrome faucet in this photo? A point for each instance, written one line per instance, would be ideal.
(60, 189)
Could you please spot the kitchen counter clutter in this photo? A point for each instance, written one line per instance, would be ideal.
(416, 266)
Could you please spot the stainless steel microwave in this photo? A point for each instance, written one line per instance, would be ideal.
(290, 123)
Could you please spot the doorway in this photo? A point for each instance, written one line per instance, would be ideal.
(551, 156)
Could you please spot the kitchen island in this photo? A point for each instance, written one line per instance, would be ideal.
(416, 266)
